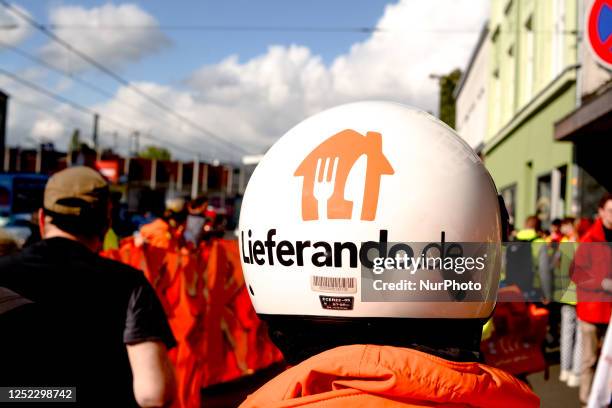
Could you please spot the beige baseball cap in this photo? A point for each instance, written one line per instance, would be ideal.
(76, 191)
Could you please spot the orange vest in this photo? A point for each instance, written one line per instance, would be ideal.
(384, 376)
(157, 233)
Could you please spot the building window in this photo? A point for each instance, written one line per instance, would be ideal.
(551, 191)
(497, 101)
(559, 188)
(529, 59)
(495, 35)
(558, 40)
(509, 82)
(508, 7)
(509, 196)
(496, 86)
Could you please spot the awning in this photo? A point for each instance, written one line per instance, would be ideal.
(593, 118)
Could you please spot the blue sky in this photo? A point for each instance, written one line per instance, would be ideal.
(194, 48)
(263, 82)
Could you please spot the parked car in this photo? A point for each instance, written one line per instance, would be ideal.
(20, 195)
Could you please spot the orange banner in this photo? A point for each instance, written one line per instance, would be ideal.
(219, 335)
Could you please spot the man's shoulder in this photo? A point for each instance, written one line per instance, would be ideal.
(118, 269)
(9, 261)
(11, 267)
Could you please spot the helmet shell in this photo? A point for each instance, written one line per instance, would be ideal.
(389, 168)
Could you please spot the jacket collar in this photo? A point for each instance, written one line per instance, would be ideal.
(393, 373)
(596, 232)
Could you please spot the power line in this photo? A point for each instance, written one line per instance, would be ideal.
(42, 28)
(88, 111)
(202, 27)
(246, 28)
(77, 79)
(53, 68)
(44, 110)
(46, 92)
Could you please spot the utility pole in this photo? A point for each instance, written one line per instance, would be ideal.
(241, 177)
(230, 180)
(126, 168)
(7, 160)
(179, 176)
(153, 183)
(95, 130)
(18, 159)
(3, 112)
(196, 177)
(115, 141)
(205, 178)
(39, 158)
(137, 141)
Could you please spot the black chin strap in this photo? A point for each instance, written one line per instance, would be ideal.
(301, 337)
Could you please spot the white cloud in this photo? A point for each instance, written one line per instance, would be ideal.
(12, 27)
(48, 129)
(114, 47)
(251, 103)
(420, 38)
(33, 117)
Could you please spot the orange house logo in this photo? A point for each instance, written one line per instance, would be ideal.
(326, 169)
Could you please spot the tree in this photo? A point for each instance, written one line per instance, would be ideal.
(155, 152)
(448, 83)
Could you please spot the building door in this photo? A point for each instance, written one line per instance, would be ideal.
(558, 190)
(509, 196)
(550, 198)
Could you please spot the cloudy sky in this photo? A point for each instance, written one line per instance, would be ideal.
(221, 78)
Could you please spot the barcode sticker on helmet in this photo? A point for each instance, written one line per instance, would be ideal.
(334, 284)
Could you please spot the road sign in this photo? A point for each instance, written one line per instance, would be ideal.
(599, 31)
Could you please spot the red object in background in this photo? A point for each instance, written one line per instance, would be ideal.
(599, 31)
(591, 265)
(518, 336)
(109, 169)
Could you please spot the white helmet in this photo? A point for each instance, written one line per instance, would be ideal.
(369, 175)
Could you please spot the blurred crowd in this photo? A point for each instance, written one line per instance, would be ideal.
(192, 221)
(559, 281)
(197, 278)
(555, 294)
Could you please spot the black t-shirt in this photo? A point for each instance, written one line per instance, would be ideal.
(84, 311)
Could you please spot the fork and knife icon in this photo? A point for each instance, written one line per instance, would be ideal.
(325, 183)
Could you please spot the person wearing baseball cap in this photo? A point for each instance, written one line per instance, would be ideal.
(358, 191)
(101, 327)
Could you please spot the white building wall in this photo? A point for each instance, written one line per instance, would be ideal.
(471, 105)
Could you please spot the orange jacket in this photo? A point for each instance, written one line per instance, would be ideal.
(592, 264)
(383, 376)
(157, 233)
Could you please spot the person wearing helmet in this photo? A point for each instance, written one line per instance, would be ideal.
(376, 263)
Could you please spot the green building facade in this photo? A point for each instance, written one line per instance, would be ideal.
(532, 85)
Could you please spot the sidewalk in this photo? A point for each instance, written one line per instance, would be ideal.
(553, 393)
